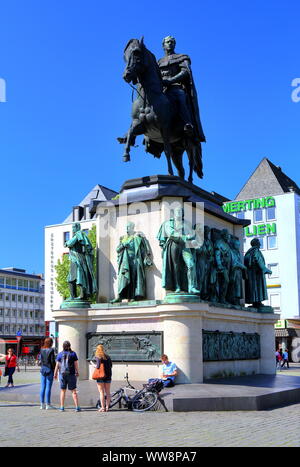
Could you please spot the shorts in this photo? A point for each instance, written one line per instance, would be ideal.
(68, 382)
(104, 380)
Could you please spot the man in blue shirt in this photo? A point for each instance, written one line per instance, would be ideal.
(285, 359)
(67, 366)
(169, 371)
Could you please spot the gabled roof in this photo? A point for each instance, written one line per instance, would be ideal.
(267, 180)
(99, 192)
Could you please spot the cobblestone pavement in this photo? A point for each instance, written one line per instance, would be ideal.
(29, 426)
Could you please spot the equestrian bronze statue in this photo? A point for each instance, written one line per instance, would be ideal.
(166, 108)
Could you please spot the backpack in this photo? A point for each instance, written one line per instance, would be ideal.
(154, 385)
(64, 365)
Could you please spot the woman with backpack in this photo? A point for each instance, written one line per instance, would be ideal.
(47, 362)
(67, 366)
(102, 360)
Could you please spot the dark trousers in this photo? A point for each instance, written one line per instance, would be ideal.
(285, 362)
(10, 372)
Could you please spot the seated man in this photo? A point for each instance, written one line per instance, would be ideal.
(169, 371)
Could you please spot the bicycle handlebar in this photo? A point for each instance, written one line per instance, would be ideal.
(128, 382)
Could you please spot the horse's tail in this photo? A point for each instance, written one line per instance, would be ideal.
(197, 156)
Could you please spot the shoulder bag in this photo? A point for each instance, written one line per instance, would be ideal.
(99, 373)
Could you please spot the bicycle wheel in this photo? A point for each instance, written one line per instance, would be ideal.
(144, 401)
(115, 398)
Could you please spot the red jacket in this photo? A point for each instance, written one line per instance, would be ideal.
(11, 362)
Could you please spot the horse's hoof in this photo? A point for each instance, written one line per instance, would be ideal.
(126, 158)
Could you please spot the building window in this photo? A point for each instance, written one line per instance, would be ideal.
(66, 236)
(258, 215)
(1, 281)
(262, 243)
(240, 215)
(275, 270)
(271, 213)
(272, 242)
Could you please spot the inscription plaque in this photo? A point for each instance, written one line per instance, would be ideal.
(220, 346)
(127, 346)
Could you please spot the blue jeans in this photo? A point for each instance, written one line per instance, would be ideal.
(10, 374)
(46, 385)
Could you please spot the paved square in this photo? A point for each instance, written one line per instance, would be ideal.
(30, 426)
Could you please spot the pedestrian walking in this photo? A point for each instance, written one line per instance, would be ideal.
(67, 366)
(104, 365)
(47, 362)
(285, 359)
(278, 355)
(11, 363)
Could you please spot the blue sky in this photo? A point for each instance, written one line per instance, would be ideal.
(62, 62)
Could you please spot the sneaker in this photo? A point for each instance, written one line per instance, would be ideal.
(62, 409)
(49, 407)
(78, 409)
(42, 406)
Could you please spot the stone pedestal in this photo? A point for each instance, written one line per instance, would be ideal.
(181, 319)
(73, 325)
(182, 327)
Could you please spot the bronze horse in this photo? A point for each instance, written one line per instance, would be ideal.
(155, 116)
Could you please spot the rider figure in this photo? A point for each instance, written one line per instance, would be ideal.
(178, 81)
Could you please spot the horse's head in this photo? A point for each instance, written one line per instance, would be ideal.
(134, 58)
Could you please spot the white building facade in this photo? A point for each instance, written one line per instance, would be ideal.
(271, 200)
(21, 308)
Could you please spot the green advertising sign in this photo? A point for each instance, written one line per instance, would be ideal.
(249, 204)
(260, 229)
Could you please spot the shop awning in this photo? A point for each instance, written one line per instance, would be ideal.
(285, 333)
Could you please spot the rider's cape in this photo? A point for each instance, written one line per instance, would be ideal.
(190, 90)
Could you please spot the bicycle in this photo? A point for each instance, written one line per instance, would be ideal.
(142, 399)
